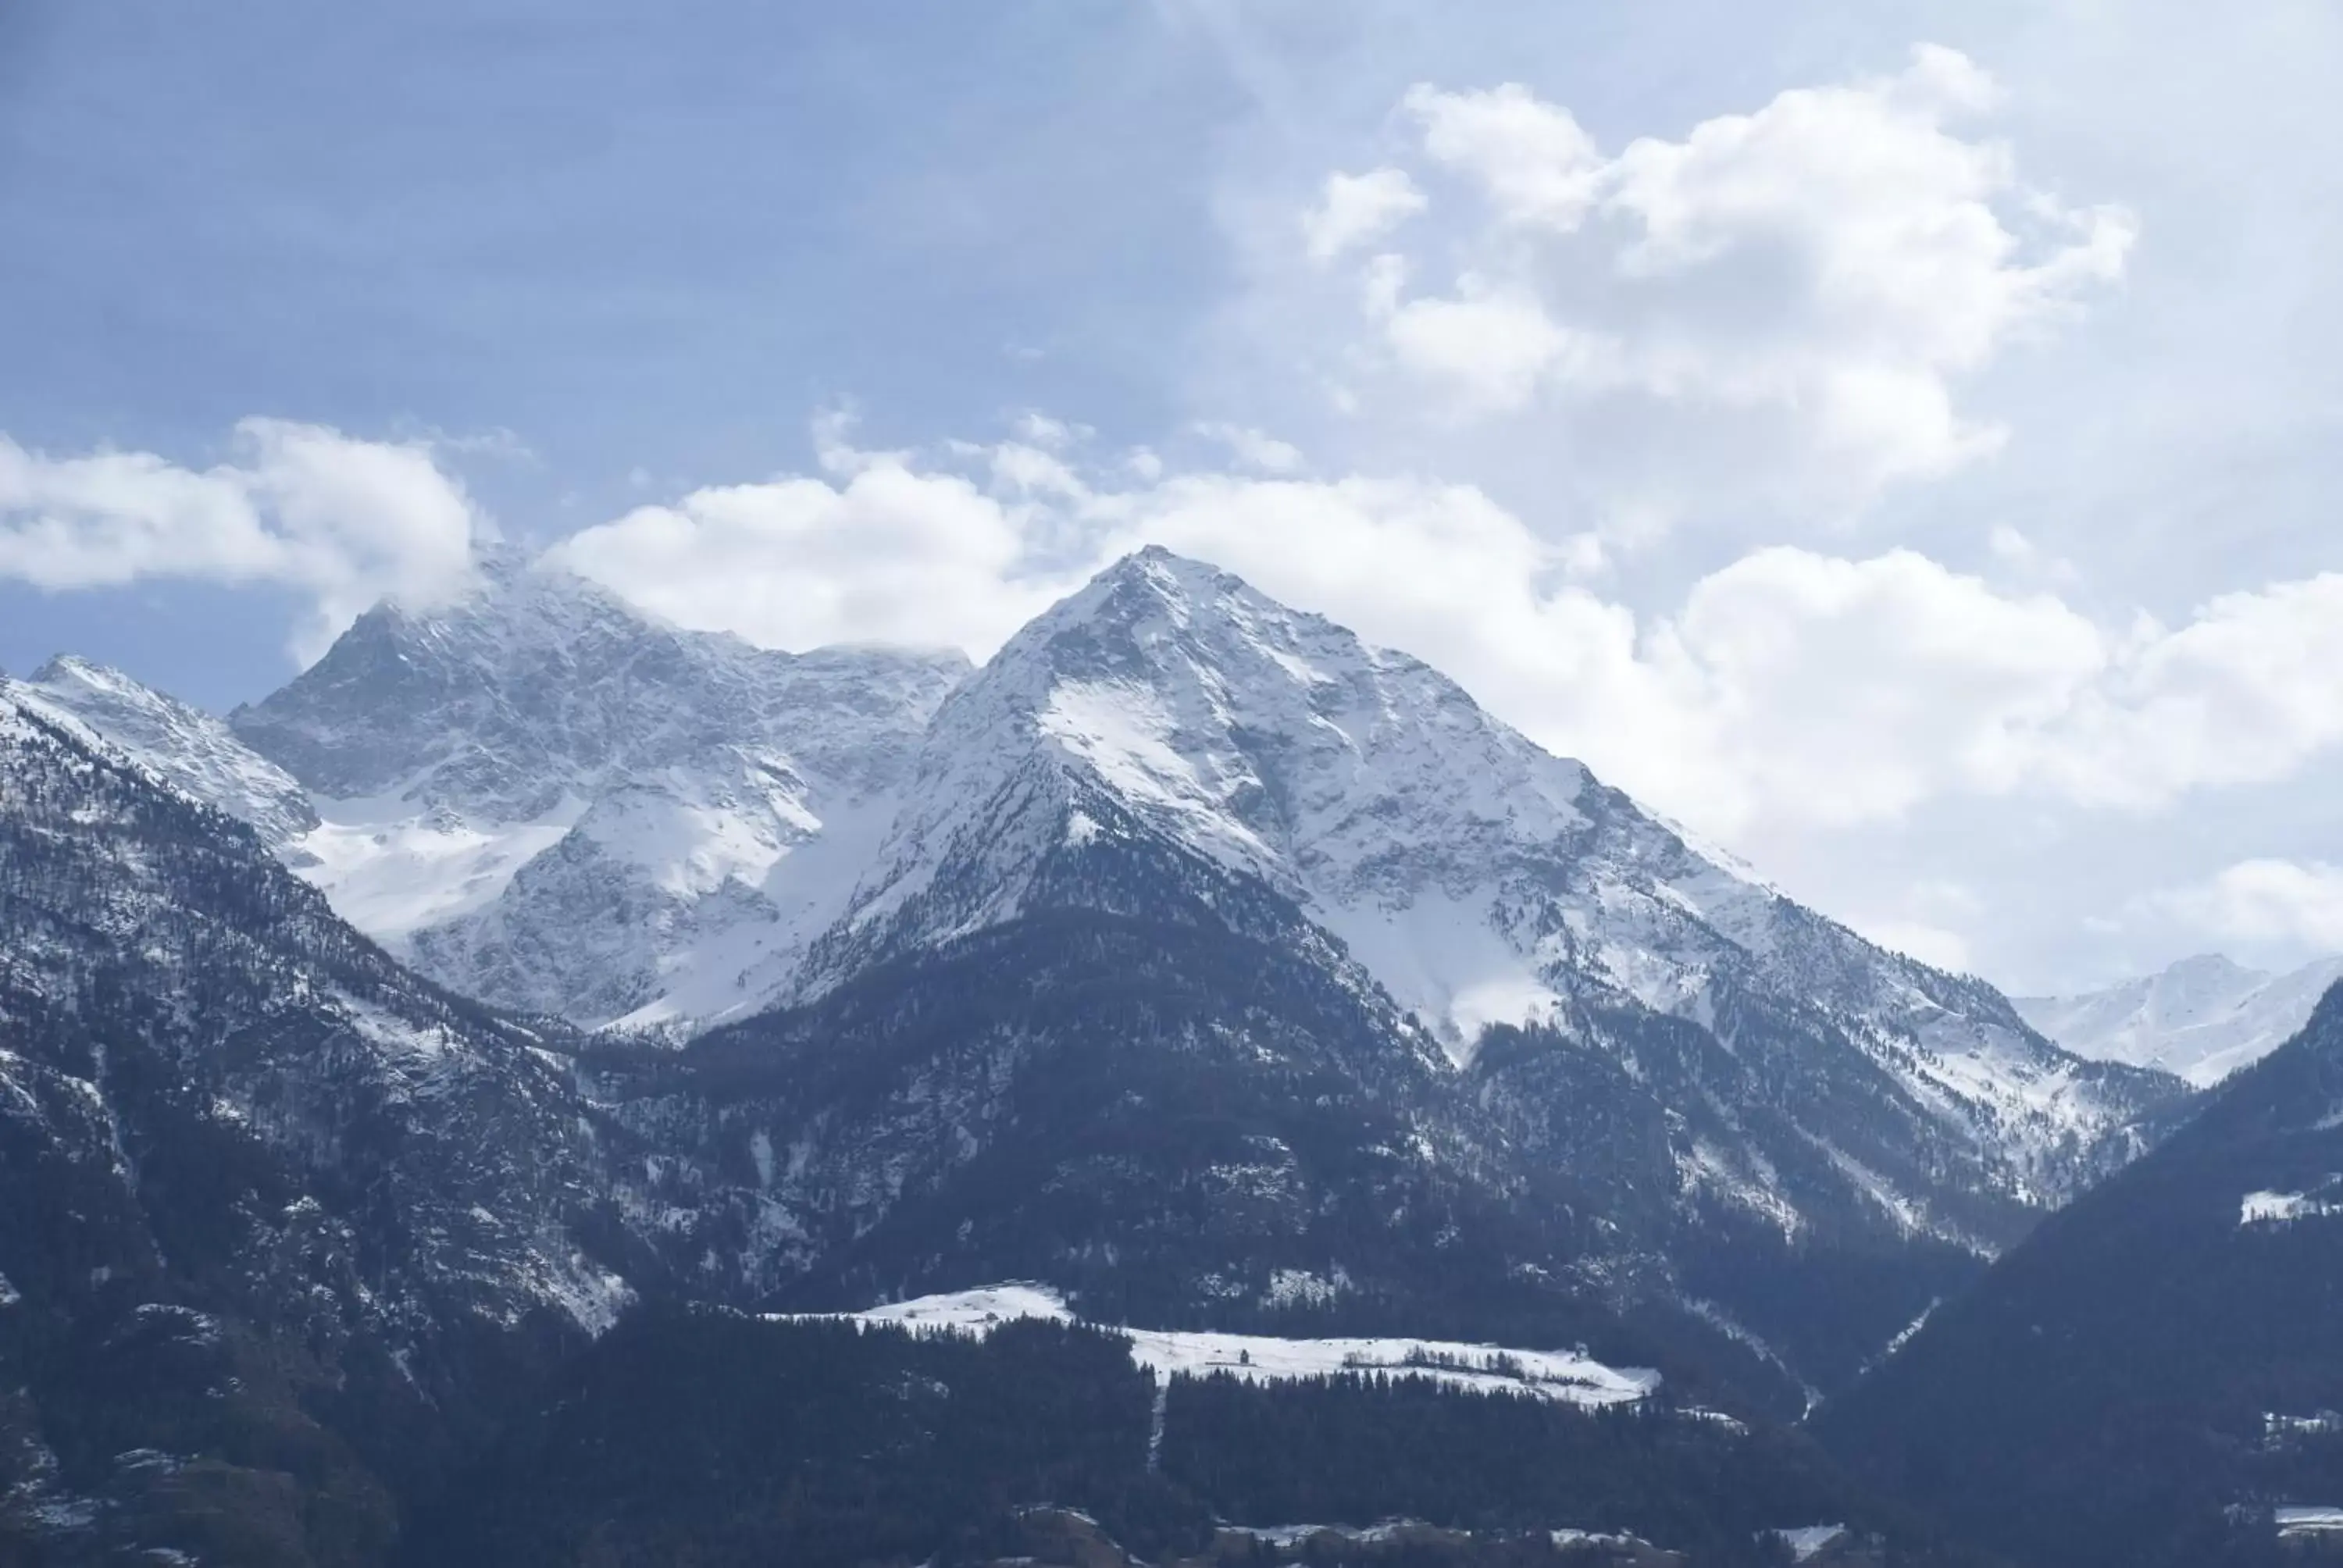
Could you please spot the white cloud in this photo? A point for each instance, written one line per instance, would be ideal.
(1533, 159)
(1850, 690)
(343, 520)
(1828, 269)
(878, 553)
(2265, 901)
(1491, 345)
(1357, 209)
(1786, 690)
(1252, 449)
(2247, 691)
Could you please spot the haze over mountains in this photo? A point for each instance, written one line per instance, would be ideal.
(2203, 1018)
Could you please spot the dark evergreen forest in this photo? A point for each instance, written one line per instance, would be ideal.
(693, 1436)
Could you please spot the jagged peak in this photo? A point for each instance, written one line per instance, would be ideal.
(519, 598)
(1155, 613)
(1170, 577)
(72, 667)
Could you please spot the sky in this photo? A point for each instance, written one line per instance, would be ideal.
(1897, 441)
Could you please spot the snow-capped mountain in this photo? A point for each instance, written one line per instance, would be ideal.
(1211, 949)
(549, 800)
(1194, 957)
(1359, 783)
(1477, 877)
(552, 803)
(2203, 1018)
(1510, 974)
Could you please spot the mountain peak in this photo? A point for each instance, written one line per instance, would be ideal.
(1150, 576)
(72, 667)
(72, 672)
(552, 800)
(2212, 968)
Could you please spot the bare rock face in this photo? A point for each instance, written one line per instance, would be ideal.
(549, 801)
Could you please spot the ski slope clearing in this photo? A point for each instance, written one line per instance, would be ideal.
(2285, 1208)
(1563, 1376)
(2293, 1523)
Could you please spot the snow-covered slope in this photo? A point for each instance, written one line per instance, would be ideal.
(1566, 1377)
(1479, 878)
(552, 801)
(2204, 1018)
(163, 977)
(188, 748)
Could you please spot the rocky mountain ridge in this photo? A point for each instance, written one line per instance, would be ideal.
(544, 799)
(1217, 970)
(1534, 994)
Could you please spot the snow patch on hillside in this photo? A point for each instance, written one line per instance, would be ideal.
(390, 870)
(1808, 1540)
(1125, 733)
(2299, 1521)
(1446, 960)
(2285, 1208)
(1563, 1376)
(184, 747)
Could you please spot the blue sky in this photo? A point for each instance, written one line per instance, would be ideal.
(629, 237)
(1841, 424)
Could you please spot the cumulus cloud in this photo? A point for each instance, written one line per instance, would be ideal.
(1826, 269)
(2247, 691)
(1533, 159)
(2265, 900)
(1355, 209)
(1788, 687)
(1857, 689)
(876, 553)
(305, 506)
(1491, 344)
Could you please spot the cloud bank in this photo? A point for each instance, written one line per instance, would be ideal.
(1781, 305)
(1790, 685)
(343, 521)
